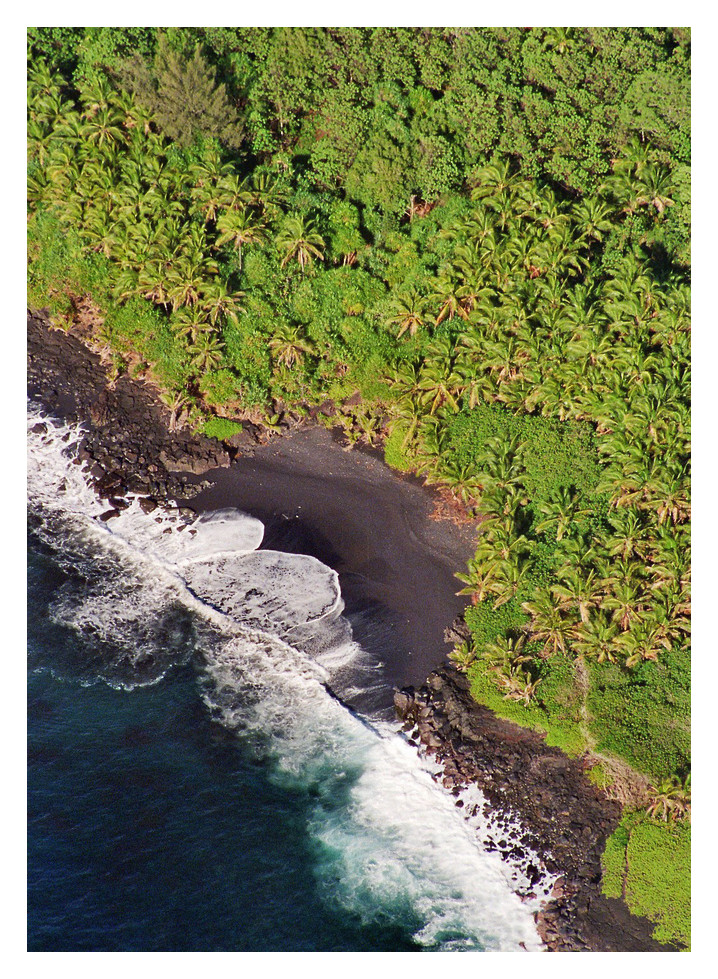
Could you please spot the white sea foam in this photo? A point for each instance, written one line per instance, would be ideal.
(389, 840)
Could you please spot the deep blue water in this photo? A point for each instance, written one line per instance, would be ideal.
(152, 828)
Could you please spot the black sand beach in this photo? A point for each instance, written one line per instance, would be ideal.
(348, 509)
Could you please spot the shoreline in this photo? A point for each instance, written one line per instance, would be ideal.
(396, 569)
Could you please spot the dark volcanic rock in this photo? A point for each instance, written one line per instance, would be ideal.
(128, 444)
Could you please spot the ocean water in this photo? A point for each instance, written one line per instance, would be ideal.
(196, 780)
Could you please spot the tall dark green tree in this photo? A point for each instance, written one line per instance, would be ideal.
(183, 96)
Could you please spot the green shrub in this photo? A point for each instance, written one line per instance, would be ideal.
(556, 454)
(650, 862)
(221, 428)
(220, 387)
(395, 453)
(486, 622)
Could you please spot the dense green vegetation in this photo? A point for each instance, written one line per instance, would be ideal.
(476, 243)
(648, 864)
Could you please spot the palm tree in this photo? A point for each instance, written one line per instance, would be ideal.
(624, 602)
(643, 641)
(511, 575)
(558, 39)
(592, 217)
(152, 282)
(630, 535)
(501, 463)
(655, 187)
(191, 321)
(267, 193)
(507, 649)
(236, 195)
(547, 623)
(206, 351)
(559, 511)
(177, 402)
(478, 579)
(461, 479)
(240, 228)
(219, 302)
(289, 345)
(103, 129)
(40, 140)
(450, 294)
(299, 240)
(408, 312)
(494, 178)
(517, 684)
(597, 639)
(462, 656)
(671, 799)
(186, 277)
(42, 80)
(668, 495)
(437, 387)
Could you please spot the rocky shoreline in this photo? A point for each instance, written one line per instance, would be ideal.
(129, 450)
(565, 819)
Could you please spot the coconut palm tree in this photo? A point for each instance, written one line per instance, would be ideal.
(559, 511)
(177, 402)
(408, 311)
(548, 624)
(644, 640)
(462, 656)
(298, 240)
(511, 575)
(438, 388)
(220, 303)
(516, 683)
(597, 639)
(655, 187)
(236, 192)
(289, 345)
(671, 799)
(623, 601)
(630, 537)
(206, 351)
(593, 218)
(238, 227)
(478, 579)
(191, 321)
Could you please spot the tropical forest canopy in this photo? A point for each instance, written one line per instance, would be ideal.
(475, 244)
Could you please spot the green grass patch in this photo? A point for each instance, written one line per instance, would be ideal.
(221, 428)
(554, 710)
(651, 861)
(486, 623)
(396, 454)
(556, 454)
(643, 714)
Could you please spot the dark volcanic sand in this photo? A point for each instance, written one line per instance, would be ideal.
(348, 509)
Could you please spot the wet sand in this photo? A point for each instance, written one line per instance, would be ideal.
(373, 526)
